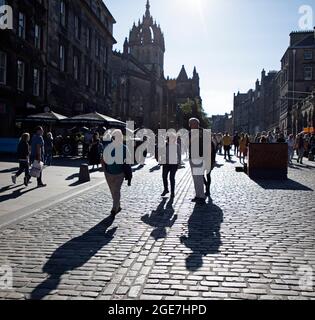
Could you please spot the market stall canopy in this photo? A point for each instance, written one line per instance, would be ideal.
(43, 117)
(94, 118)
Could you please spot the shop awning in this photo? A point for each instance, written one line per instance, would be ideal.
(47, 117)
(94, 118)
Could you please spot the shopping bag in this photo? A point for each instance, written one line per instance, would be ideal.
(36, 169)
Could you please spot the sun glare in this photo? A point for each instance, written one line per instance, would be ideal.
(193, 6)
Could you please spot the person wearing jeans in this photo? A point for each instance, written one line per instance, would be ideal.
(114, 170)
(23, 154)
(291, 143)
(196, 163)
(171, 164)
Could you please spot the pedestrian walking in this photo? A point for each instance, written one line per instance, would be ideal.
(281, 138)
(243, 148)
(219, 145)
(23, 154)
(38, 152)
(96, 151)
(49, 149)
(227, 142)
(118, 170)
(300, 148)
(171, 162)
(196, 161)
(207, 179)
(291, 144)
(236, 143)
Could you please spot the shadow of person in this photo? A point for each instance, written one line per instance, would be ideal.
(156, 168)
(73, 255)
(16, 194)
(203, 234)
(161, 218)
(140, 167)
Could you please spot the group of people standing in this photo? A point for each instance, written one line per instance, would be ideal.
(239, 141)
(302, 144)
(171, 161)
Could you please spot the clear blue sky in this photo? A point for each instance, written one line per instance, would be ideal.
(229, 41)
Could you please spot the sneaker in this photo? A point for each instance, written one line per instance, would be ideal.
(172, 195)
(165, 193)
(41, 185)
(26, 181)
(13, 179)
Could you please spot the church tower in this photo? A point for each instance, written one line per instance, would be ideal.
(146, 43)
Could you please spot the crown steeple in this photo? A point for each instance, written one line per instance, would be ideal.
(146, 42)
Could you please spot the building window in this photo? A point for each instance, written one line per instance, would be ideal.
(62, 58)
(63, 19)
(36, 82)
(76, 67)
(97, 47)
(20, 75)
(105, 54)
(97, 81)
(308, 73)
(308, 55)
(3, 68)
(88, 38)
(38, 39)
(105, 85)
(77, 27)
(22, 24)
(87, 75)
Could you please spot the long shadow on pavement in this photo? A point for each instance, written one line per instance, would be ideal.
(288, 184)
(16, 194)
(73, 255)
(204, 235)
(161, 218)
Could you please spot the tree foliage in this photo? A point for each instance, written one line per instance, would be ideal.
(193, 108)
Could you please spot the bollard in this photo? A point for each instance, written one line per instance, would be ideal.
(84, 175)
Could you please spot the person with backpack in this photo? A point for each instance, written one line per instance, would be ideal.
(23, 155)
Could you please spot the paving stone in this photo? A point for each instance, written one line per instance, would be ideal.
(248, 244)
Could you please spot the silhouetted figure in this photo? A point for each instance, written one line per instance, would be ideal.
(204, 236)
(73, 255)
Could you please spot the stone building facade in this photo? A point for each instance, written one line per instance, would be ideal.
(258, 109)
(270, 105)
(297, 76)
(140, 90)
(80, 45)
(23, 63)
(303, 115)
(57, 57)
(222, 123)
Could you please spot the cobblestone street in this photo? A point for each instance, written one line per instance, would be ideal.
(255, 240)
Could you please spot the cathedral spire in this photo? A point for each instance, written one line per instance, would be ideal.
(182, 77)
(147, 12)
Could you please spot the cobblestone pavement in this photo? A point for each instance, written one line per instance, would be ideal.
(254, 241)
